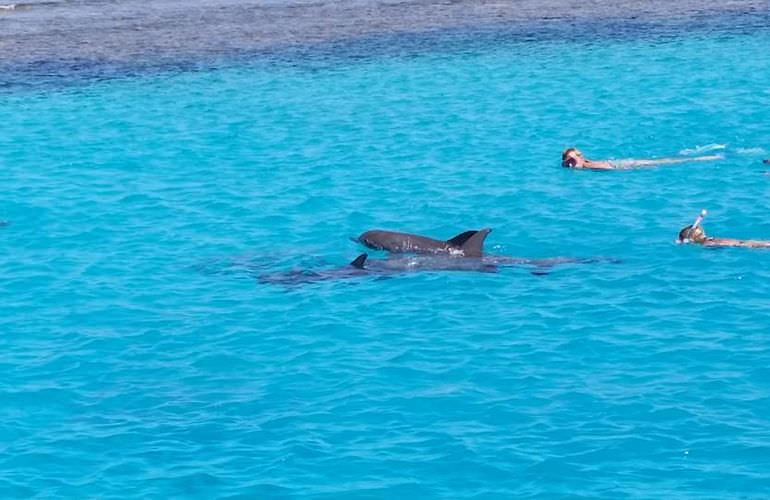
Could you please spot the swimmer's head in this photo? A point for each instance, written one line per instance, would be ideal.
(571, 158)
(693, 233)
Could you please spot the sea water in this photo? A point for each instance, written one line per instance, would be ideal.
(142, 357)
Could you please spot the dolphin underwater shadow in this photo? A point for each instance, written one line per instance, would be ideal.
(363, 266)
(438, 256)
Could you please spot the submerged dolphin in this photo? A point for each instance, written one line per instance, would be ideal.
(363, 266)
(463, 244)
(485, 264)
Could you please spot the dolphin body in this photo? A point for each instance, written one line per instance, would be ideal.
(485, 264)
(363, 267)
(464, 244)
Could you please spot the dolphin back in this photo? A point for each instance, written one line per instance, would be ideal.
(393, 241)
(396, 242)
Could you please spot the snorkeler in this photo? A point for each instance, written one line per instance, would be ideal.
(573, 158)
(694, 233)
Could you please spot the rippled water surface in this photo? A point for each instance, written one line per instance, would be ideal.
(144, 356)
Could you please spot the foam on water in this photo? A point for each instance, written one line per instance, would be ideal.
(703, 149)
(758, 151)
(142, 357)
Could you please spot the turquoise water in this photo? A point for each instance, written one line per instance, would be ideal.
(143, 358)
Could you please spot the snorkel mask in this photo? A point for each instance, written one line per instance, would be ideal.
(694, 232)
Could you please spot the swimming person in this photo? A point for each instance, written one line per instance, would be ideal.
(694, 233)
(573, 158)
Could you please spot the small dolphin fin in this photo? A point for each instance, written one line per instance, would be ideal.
(461, 238)
(359, 262)
(474, 246)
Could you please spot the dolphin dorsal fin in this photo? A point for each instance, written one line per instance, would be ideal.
(474, 246)
(359, 261)
(461, 238)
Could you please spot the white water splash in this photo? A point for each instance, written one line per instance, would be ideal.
(751, 151)
(703, 149)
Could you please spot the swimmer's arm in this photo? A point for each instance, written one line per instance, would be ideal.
(757, 244)
(730, 242)
(598, 165)
(665, 161)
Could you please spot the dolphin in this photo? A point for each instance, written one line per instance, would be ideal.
(464, 244)
(304, 276)
(363, 266)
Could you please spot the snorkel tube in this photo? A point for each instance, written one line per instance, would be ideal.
(684, 234)
(699, 219)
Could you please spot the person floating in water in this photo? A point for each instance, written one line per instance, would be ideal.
(573, 158)
(694, 233)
